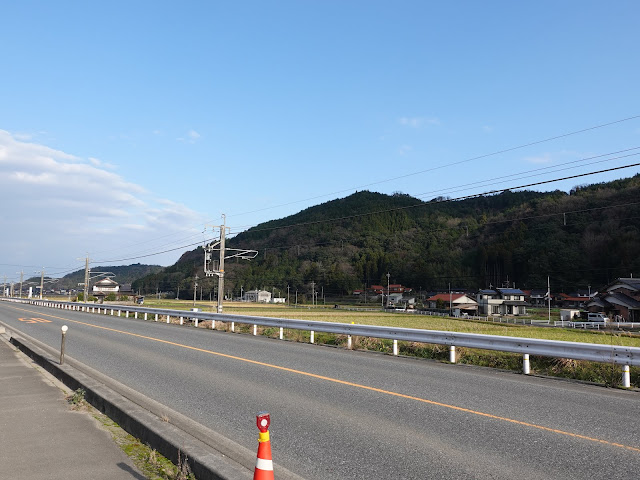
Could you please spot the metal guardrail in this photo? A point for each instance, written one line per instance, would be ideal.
(620, 355)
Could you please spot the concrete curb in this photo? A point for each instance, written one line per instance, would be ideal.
(169, 440)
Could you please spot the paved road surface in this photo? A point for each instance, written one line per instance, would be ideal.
(338, 414)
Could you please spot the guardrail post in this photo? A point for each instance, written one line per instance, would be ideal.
(112, 312)
(526, 367)
(281, 333)
(452, 354)
(135, 315)
(233, 327)
(255, 329)
(126, 314)
(156, 317)
(311, 340)
(349, 342)
(181, 320)
(395, 348)
(119, 312)
(168, 318)
(626, 376)
(196, 322)
(145, 315)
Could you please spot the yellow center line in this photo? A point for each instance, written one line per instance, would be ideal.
(355, 385)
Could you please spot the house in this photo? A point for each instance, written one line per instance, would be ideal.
(104, 287)
(259, 296)
(620, 298)
(536, 297)
(572, 300)
(459, 301)
(501, 301)
(107, 286)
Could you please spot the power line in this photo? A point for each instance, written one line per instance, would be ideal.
(148, 255)
(464, 197)
(439, 167)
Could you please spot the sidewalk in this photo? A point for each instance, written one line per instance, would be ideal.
(41, 437)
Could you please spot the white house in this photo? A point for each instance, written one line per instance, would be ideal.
(501, 301)
(105, 287)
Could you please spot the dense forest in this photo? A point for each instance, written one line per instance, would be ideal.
(588, 236)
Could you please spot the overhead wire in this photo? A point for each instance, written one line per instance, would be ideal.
(422, 204)
(451, 164)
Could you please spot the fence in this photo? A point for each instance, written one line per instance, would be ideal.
(619, 355)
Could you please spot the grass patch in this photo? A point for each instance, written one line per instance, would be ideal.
(152, 465)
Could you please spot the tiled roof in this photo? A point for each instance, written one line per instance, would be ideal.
(445, 297)
(511, 291)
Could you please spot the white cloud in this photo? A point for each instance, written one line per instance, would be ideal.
(418, 122)
(59, 206)
(190, 137)
(404, 149)
(539, 159)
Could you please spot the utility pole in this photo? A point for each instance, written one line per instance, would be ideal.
(195, 289)
(288, 302)
(41, 283)
(388, 287)
(313, 293)
(21, 280)
(87, 273)
(209, 268)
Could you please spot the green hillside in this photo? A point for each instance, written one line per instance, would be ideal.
(586, 237)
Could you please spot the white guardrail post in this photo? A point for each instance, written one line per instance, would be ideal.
(624, 356)
(626, 376)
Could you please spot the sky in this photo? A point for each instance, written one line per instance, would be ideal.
(128, 128)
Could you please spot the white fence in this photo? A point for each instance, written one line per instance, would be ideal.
(620, 355)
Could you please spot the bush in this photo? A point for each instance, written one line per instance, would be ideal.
(111, 297)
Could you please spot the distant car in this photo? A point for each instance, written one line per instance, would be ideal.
(596, 317)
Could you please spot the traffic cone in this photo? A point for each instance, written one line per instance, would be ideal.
(264, 464)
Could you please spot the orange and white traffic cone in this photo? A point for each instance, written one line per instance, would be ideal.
(264, 463)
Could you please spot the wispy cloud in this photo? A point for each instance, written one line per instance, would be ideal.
(487, 129)
(404, 149)
(418, 122)
(77, 204)
(539, 159)
(190, 137)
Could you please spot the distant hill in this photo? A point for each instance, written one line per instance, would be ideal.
(123, 274)
(585, 237)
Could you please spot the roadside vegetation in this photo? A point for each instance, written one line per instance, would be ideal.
(153, 465)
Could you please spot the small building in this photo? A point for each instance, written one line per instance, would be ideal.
(258, 296)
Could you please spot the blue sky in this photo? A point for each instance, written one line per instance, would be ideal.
(126, 127)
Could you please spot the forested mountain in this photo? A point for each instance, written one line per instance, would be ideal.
(586, 237)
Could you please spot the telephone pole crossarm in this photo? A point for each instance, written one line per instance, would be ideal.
(210, 267)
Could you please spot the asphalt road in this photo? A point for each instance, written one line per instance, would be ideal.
(338, 414)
